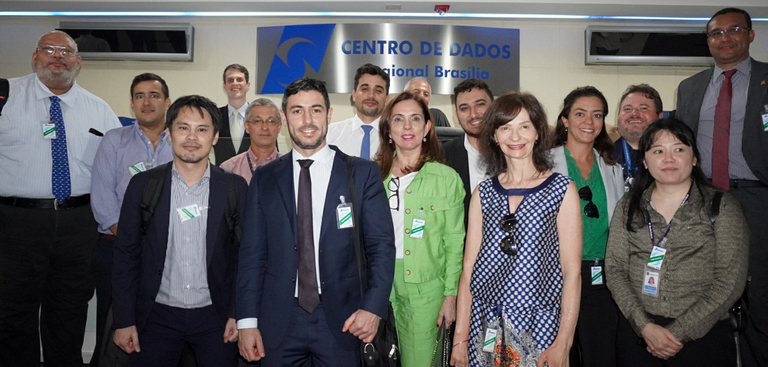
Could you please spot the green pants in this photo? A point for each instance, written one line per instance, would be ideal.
(416, 307)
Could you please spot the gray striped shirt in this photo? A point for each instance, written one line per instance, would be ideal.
(185, 276)
(737, 166)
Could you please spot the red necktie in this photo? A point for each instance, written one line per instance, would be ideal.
(721, 134)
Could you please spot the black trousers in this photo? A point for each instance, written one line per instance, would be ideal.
(594, 344)
(717, 348)
(754, 348)
(45, 282)
(101, 266)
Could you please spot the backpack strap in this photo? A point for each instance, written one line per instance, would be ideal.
(5, 88)
(715, 211)
(151, 195)
(232, 217)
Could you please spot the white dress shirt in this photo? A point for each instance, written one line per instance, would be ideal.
(476, 166)
(25, 156)
(348, 135)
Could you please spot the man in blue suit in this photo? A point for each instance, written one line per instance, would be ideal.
(299, 298)
(174, 284)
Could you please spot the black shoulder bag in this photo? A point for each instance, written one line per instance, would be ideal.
(383, 351)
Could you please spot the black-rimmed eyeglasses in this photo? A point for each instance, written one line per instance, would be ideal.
(508, 245)
(590, 210)
(394, 193)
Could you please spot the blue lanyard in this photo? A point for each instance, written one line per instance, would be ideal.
(627, 158)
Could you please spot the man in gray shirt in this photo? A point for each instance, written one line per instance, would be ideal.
(174, 274)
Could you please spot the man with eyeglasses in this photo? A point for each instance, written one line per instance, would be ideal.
(262, 124)
(727, 107)
(123, 153)
(52, 128)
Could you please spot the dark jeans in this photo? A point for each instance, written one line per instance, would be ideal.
(717, 348)
(45, 282)
(754, 348)
(594, 343)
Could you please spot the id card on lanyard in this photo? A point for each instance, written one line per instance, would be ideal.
(628, 167)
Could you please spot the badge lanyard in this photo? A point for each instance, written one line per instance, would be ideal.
(250, 165)
(628, 159)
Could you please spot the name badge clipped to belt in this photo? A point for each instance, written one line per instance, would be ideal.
(49, 131)
(137, 168)
(344, 215)
(188, 212)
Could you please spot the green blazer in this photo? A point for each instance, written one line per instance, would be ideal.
(438, 191)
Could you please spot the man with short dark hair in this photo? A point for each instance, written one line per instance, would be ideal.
(726, 108)
(123, 153)
(262, 123)
(359, 135)
(174, 270)
(639, 106)
(233, 137)
(51, 130)
(420, 87)
(471, 98)
(299, 298)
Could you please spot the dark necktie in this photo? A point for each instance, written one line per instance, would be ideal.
(61, 184)
(308, 296)
(365, 146)
(721, 134)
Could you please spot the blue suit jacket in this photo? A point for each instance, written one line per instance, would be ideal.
(139, 260)
(269, 258)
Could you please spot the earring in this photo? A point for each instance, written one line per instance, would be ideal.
(566, 129)
(390, 140)
(424, 140)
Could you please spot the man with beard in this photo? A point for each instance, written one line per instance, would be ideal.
(51, 130)
(174, 276)
(359, 135)
(639, 106)
(123, 153)
(234, 139)
(727, 108)
(471, 98)
(298, 291)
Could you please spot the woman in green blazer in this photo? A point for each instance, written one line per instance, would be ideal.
(426, 199)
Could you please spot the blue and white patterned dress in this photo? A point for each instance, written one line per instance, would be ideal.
(519, 295)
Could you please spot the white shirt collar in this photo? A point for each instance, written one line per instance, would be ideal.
(358, 122)
(323, 156)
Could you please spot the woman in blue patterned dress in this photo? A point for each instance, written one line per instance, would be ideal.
(518, 298)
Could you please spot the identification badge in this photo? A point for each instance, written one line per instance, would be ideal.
(344, 215)
(597, 275)
(651, 283)
(417, 229)
(657, 256)
(137, 168)
(188, 212)
(765, 122)
(490, 340)
(628, 184)
(49, 131)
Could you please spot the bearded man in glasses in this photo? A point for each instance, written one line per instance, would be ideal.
(262, 125)
(51, 130)
(727, 108)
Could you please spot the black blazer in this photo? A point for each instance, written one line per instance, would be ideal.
(456, 158)
(139, 260)
(754, 143)
(224, 149)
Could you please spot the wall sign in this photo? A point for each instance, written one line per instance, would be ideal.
(444, 55)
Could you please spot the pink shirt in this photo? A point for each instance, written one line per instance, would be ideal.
(241, 165)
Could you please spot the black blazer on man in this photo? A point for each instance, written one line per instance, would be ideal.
(224, 148)
(754, 144)
(456, 158)
(139, 260)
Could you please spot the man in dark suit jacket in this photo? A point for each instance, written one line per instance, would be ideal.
(298, 295)
(236, 85)
(729, 34)
(471, 98)
(175, 283)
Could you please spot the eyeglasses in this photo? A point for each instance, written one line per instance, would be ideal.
(394, 193)
(590, 210)
(51, 50)
(730, 31)
(507, 224)
(260, 122)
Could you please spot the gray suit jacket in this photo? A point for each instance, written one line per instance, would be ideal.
(754, 145)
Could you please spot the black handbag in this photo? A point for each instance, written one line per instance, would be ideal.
(383, 351)
(441, 356)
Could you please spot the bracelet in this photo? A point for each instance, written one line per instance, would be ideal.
(455, 344)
